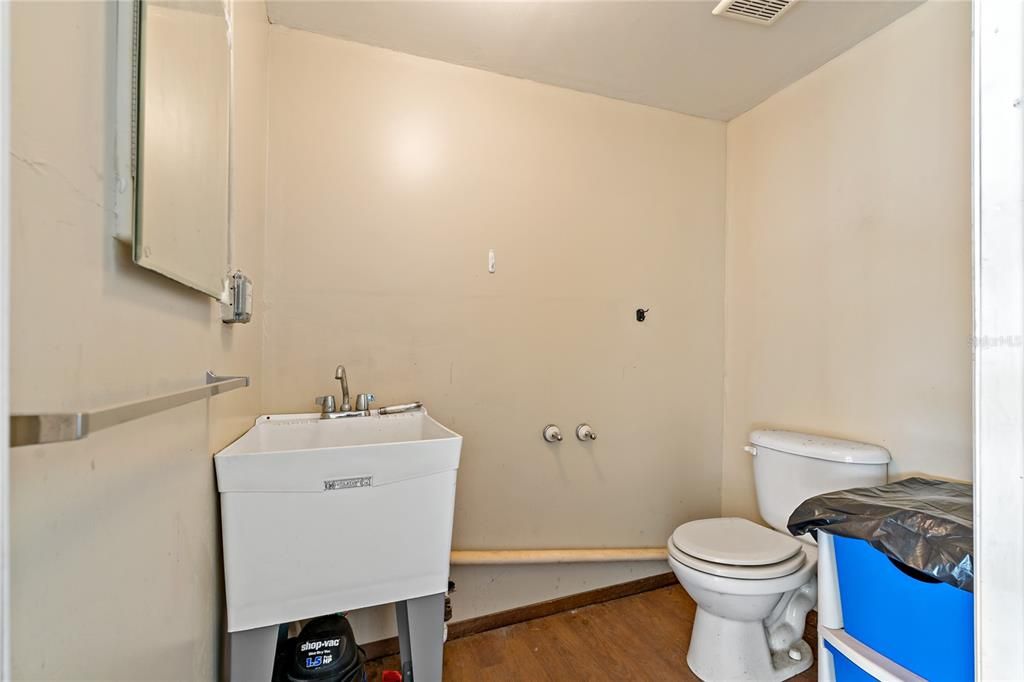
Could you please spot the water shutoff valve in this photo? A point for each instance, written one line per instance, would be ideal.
(585, 433)
(552, 433)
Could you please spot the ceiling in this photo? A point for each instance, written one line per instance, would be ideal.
(670, 54)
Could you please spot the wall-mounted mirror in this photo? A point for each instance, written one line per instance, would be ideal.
(181, 64)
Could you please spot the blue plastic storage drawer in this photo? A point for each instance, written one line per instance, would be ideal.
(926, 627)
(846, 670)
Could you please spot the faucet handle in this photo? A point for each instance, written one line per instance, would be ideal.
(363, 401)
(326, 403)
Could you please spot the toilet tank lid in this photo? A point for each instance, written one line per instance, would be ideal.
(820, 447)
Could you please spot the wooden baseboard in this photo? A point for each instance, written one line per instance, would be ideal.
(492, 621)
(521, 614)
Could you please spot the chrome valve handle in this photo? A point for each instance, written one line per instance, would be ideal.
(552, 433)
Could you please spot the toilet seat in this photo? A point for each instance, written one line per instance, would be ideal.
(734, 541)
(777, 570)
(736, 548)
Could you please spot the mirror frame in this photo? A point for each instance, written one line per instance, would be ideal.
(126, 187)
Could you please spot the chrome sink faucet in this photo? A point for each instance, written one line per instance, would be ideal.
(341, 376)
(328, 408)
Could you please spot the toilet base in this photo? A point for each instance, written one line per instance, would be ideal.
(723, 650)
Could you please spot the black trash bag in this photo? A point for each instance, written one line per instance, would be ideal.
(924, 524)
(324, 651)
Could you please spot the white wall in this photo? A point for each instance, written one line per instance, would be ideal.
(848, 290)
(116, 571)
(390, 178)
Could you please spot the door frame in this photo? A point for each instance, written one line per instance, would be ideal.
(998, 341)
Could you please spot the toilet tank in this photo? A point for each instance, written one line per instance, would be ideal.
(790, 467)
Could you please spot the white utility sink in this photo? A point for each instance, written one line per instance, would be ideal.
(328, 515)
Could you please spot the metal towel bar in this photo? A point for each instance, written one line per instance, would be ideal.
(34, 429)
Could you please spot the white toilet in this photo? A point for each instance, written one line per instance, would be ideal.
(754, 585)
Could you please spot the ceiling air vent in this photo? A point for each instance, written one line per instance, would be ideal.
(765, 12)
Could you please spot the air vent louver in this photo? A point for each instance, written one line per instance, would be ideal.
(764, 12)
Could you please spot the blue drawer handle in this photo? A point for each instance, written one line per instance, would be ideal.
(920, 576)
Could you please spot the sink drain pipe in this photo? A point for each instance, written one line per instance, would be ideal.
(494, 557)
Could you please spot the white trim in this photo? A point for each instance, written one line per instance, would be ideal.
(998, 190)
(830, 603)
(865, 658)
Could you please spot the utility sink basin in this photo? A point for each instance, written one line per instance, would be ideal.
(321, 516)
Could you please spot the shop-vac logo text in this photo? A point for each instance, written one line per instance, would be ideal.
(346, 483)
(317, 646)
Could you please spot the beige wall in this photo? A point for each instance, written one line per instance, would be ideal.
(390, 178)
(115, 540)
(845, 272)
(848, 307)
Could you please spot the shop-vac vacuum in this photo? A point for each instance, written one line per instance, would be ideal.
(324, 651)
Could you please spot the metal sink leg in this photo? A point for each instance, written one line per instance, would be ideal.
(252, 654)
(421, 637)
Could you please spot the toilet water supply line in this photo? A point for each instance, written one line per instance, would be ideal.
(492, 557)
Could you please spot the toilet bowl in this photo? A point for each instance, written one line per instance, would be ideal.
(753, 587)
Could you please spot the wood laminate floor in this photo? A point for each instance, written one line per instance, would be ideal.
(642, 637)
